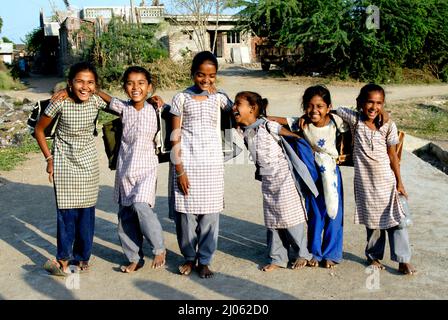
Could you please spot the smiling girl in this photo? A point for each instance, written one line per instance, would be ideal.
(377, 179)
(73, 167)
(198, 170)
(136, 176)
(326, 213)
(283, 208)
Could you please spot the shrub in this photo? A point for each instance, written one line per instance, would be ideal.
(8, 83)
(122, 45)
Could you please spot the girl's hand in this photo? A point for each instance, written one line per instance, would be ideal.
(60, 95)
(302, 123)
(384, 117)
(156, 101)
(401, 190)
(183, 184)
(212, 89)
(50, 170)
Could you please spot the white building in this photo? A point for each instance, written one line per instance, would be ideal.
(6, 52)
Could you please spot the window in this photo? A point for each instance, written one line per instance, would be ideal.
(233, 37)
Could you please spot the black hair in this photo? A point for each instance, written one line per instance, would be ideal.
(200, 58)
(364, 94)
(255, 100)
(136, 69)
(82, 66)
(317, 90)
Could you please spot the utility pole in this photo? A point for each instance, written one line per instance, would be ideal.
(132, 11)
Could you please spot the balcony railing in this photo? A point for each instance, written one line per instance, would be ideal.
(152, 14)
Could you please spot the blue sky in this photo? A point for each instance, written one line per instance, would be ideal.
(22, 16)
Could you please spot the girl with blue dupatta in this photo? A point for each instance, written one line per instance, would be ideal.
(319, 128)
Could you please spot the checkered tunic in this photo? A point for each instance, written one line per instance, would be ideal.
(201, 153)
(136, 176)
(76, 170)
(282, 204)
(376, 196)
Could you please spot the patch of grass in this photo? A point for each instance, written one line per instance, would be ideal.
(417, 76)
(10, 157)
(8, 83)
(427, 119)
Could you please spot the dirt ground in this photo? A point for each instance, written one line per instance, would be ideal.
(28, 229)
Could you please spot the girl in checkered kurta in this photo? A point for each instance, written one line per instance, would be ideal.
(136, 176)
(198, 166)
(73, 166)
(284, 210)
(377, 179)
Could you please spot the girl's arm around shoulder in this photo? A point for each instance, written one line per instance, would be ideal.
(348, 115)
(225, 102)
(104, 96)
(292, 123)
(286, 133)
(281, 120)
(54, 108)
(278, 129)
(116, 106)
(341, 125)
(157, 102)
(177, 104)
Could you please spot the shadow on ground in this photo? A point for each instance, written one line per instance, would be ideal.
(29, 226)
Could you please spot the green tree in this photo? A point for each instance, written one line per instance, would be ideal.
(434, 53)
(336, 40)
(34, 41)
(124, 44)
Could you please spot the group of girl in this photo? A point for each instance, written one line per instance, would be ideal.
(312, 229)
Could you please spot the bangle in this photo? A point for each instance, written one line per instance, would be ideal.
(180, 174)
(50, 157)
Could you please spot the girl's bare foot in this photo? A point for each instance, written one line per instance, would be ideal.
(329, 264)
(376, 264)
(159, 260)
(204, 271)
(133, 266)
(313, 263)
(406, 268)
(299, 263)
(270, 267)
(64, 265)
(186, 268)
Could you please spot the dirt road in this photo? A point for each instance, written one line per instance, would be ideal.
(28, 230)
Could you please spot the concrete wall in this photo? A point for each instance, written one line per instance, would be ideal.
(180, 40)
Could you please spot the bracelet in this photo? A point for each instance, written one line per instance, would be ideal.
(180, 174)
(50, 157)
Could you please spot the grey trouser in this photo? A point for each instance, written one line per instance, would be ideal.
(197, 231)
(400, 250)
(134, 223)
(279, 242)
